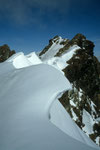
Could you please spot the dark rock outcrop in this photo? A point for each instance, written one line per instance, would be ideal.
(84, 69)
(5, 52)
(83, 72)
(79, 40)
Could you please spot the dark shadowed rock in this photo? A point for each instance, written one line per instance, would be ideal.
(83, 72)
(5, 52)
(79, 40)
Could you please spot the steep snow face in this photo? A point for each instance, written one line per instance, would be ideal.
(88, 122)
(19, 60)
(55, 46)
(51, 52)
(27, 102)
(74, 59)
(98, 58)
(33, 58)
(61, 62)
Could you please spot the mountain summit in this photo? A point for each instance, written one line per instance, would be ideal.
(75, 58)
(35, 87)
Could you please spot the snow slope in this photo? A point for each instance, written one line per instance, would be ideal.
(33, 58)
(19, 60)
(59, 62)
(57, 55)
(53, 49)
(31, 117)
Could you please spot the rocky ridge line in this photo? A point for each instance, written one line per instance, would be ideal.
(83, 72)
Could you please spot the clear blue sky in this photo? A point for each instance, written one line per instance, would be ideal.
(27, 25)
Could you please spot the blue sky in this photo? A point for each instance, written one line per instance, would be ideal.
(27, 25)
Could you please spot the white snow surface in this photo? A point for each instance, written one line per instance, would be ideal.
(53, 49)
(60, 62)
(33, 58)
(31, 117)
(98, 119)
(19, 60)
(88, 121)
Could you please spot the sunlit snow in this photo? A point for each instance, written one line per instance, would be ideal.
(31, 117)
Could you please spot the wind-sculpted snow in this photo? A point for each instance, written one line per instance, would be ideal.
(19, 60)
(55, 46)
(27, 102)
(60, 62)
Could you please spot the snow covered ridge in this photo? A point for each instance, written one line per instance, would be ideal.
(61, 62)
(53, 47)
(58, 52)
(74, 59)
(30, 88)
(31, 117)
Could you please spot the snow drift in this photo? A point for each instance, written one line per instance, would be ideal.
(19, 60)
(31, 117)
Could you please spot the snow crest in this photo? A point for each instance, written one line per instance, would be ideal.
(31, 117)
(19, 60)
(60, 62)
(26, 96)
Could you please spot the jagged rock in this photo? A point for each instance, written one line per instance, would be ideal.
(83, 71)
(79, 40)
(5, 52)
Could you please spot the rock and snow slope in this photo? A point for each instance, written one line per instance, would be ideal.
(75, 59)
(31, 117)
(49, 54)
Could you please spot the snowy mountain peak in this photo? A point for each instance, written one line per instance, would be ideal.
(75, 59)
(59, 46)
(30, 99)
(53, 47)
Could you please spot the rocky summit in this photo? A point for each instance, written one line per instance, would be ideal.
(76, 61)
(82, 69)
